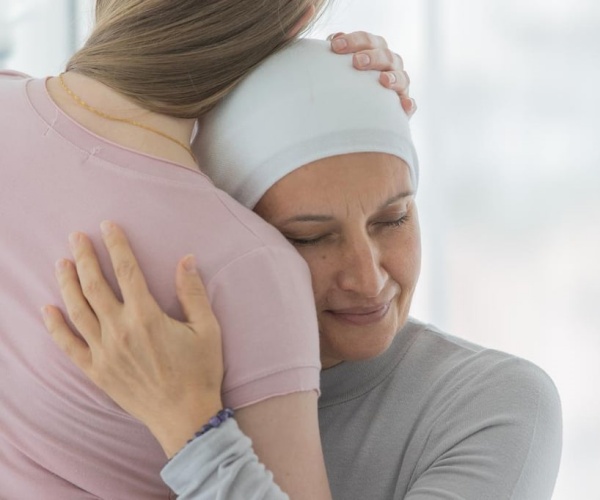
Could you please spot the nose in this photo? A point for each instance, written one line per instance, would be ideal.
(361, 269)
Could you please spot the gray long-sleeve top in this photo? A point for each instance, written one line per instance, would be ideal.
(433, 418)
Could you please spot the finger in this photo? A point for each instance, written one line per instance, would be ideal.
(335, 35)
(94, 287)
(409, 105)
(73, 346)
(127, 270)
(191, 292)
(80, 313)
(398, 81)
(378, 59)
(357, 41)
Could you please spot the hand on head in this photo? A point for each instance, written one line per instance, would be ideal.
(371, 52)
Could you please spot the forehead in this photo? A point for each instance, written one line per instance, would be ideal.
(356, 176)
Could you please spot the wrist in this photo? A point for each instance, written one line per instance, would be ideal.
(173, 431)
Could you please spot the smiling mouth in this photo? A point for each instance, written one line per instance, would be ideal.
(361, 315)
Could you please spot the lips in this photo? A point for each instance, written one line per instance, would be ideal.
(361, 315)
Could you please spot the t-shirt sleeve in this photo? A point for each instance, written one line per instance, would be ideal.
(265, 306)
(499, 437)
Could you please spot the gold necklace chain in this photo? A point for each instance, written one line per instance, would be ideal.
(80, 102)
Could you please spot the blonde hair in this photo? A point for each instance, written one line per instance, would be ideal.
(181, 57)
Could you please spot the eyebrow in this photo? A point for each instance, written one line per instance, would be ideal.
(326, 218)
(397, 197)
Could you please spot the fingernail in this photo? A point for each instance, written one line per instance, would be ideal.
(107, 227)
(61, 265)
(362, 59)
(189, 264)
(413, 105)
(74, 239)
(333, 36)
(391, 78)
(339, 44)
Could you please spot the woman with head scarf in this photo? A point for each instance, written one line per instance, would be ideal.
(406, 411)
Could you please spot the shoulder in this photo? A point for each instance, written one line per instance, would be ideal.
(10, 80)
(470, 364)
(11, 83)
(497, 416)
(467, 381)
(258, 230)
(13, 75)
(258, 245)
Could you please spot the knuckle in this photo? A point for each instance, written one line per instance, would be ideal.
(389, 57)
(193, 289)
(398, 61)
(381, 42)
(196, 288)
(140, 319)
(90, 288)
(83, 251)
(122, 335)
(115, 245)
(85, 268)
(406, 79)
(124, 270)
(371, 40)
(77, 315)
(363, 38)
(66, 347)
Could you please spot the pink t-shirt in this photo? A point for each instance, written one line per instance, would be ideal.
(61, 437)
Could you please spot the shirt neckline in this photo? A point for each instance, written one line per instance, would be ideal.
(352, 379)
(97, 146)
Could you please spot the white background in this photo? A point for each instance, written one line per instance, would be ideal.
(508, 131)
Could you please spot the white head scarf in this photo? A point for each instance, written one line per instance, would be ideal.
(303, 104)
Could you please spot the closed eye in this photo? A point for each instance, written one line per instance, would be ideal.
(396, 222)
(305, 241)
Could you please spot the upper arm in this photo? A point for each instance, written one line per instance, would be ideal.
(499, 439)
(266, 310)
(285, 435)
(265, 306)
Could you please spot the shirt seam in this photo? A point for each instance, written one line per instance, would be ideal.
(271, 373)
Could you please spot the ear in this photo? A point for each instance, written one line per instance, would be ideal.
(304, 20)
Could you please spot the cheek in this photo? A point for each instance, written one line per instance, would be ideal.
(320, 264)
(403, 260)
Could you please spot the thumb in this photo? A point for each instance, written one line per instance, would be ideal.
(191, 292)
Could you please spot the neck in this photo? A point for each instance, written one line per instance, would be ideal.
(111, 102)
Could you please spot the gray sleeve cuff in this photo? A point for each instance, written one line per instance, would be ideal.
(220, 464)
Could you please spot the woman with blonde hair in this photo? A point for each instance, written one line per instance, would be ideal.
(110, 139)
(407, 412)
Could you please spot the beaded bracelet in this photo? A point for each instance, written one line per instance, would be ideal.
(214, 422)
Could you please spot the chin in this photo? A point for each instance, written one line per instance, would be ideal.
(353, 345)
(341, 341)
